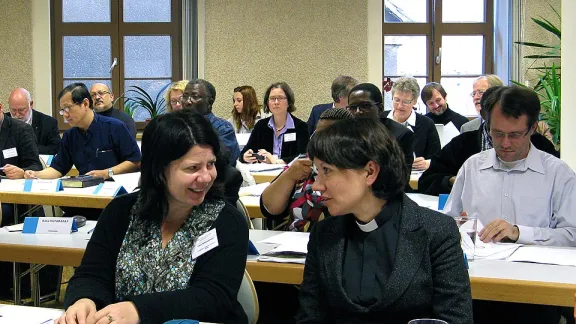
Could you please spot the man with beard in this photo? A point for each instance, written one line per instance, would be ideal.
(434, 96)
(103, 98)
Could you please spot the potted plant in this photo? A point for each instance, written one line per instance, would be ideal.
(136, 97)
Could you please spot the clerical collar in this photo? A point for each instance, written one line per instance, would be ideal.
(390, 209)
(369, 227)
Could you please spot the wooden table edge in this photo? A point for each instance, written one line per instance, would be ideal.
(37, 254)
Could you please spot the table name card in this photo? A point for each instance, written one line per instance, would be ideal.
(12, 185)
(49, 225)
(109, 189)
(39, 185)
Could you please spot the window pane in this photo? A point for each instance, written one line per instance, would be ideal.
(86, 56)
(147, 10)
(85, 11)
(88, 83)
(405, 55)
(458, 95)
(462, 55)
(147, 57)
(153, 88)
(406, 11)
(469, 11)
(420, 106)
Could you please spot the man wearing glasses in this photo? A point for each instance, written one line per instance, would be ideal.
(102, 98)
(45, 127)
(480, 85)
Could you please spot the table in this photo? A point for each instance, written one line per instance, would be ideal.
(61, 198)
(28, 315)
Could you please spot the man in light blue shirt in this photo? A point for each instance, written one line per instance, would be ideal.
(518, 192)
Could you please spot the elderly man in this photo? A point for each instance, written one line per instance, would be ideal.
(434, 96)
(480, 85)
(45, 127)
(405, 93)
(340, 89)
(102, 98)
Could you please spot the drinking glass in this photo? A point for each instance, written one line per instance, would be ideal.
(427, 321)
(467, 225)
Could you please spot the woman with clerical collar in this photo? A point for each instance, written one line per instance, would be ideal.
(385, 259)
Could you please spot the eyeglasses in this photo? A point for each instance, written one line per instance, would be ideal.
(479, 92)
(361, 107)
(274, 99)
(66, 109)
(174, 102)
(99, 94)
(187, 98)
(511, 136)
(18, 111)
(404, 102)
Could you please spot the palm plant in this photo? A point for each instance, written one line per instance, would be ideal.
(137, 97)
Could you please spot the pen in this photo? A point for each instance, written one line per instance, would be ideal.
(90, 231)
(47, 321)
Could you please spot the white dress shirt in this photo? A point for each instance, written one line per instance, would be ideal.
(410, 123)
(537, 195)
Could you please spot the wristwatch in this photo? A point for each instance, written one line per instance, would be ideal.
(110, 172)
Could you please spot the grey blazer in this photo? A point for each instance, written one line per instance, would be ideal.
(429, 279)
(472, 125)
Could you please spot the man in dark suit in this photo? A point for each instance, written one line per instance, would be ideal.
(341, 87)
(45, 127)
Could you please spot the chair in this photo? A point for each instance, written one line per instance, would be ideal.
(248, 298)
(242, 209)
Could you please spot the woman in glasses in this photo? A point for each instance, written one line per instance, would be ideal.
(380, 258)
(245, 111)
(281, 137)
(173, 95)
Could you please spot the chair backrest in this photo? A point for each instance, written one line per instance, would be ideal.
(248, 298)
(242, 209)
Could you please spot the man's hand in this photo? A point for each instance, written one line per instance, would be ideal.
(123, 312)
(452, 180)
(498, 230)
(420, 164)
(13, 172)
(29, 174)
(99, 173)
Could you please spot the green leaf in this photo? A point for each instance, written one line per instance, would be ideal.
(529, 44)
(548, 26)
(542, 56)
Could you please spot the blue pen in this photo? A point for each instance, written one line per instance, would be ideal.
(90, 231)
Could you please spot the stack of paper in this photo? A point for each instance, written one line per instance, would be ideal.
(261, 167)
(128, 180)
(545, 255)
(494, 251)
(254, 190)
(292, 248)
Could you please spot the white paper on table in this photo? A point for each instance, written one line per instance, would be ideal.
(28, 315)
(242, 139)
(12, 185)
(446, 133)
(261, 167)
(494, 251)
(545, 255)
(254, 190)
(422, 200)
(282, 259)
(128, 180)
(15, 228)
(287, 238)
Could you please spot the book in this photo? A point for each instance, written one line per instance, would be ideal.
(82, 181)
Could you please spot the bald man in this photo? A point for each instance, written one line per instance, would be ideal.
(103, 98)
(45, 127)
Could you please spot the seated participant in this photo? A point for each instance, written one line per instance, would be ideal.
(45, 127)
(141, 265)
(173, 95)
(290, 194)
(405, 93)
(102, 99)
(245, 111)
(518, 192)
(281, 137)
(444, 166)
(434, 96)
(199, 95)
(480, 85)
(340, 89)
(384, 259)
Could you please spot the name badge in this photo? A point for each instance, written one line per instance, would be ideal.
(205, 243)
(289, 137)
(109, 189)
(9, 153)
(49, 225)
(38, 185)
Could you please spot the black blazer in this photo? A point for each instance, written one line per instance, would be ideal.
(405, 138)
(426, 139)
(19, 135)
(262, 137)
(46, 132)
(429, 279)
(315, 115)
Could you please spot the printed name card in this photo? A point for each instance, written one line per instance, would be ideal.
(12, 185)
(39, 185)
(109, 189)
(49, 225)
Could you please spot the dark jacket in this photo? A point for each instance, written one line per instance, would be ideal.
(122, 116)
(405, 138)
(19, 135)
(46, 131)
(426, 139)
(315, 116)
(445, 164)
(262, 137)
(429, 279)
(449, 115)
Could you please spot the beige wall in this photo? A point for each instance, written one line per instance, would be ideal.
(306, 43)
(15, 47)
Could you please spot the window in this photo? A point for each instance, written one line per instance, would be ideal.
(445, 41)
(121, 43)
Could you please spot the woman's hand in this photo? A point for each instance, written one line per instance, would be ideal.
(299, 169)
(248, 158)
(119, 313)
(79, 313)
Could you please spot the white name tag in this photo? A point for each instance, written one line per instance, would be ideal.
(12, 185)
(9, 153)
(205, 243)
(109, 189)
(289, 137)
(49, 225)
(38, 185)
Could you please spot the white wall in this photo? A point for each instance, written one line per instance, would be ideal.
(41, 56)
(568, 131)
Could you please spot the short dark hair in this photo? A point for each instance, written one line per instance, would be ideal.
(287, 91)
(341, 86)
(351, 144)
(429, 88)
(375, 94)
(514, 101)
(210, 89)
(488, 100)
(78, 91)
(180, 131)
(336, 114)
